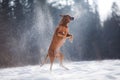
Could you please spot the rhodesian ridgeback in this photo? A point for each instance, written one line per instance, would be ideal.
(60, 35)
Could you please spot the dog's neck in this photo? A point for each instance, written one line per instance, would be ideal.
(64, 24)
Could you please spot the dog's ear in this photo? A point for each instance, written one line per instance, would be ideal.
(61, 15)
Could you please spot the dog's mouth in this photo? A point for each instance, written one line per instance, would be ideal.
(71, 18)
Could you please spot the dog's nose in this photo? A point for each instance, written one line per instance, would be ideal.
(72, 18)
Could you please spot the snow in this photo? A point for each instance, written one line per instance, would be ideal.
(83, 70)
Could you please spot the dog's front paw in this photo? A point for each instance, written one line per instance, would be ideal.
(71, 38)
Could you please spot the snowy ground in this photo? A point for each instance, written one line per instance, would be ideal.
(84, 70)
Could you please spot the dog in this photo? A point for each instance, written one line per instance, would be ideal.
(60, 35)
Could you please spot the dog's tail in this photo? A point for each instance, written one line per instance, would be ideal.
(44, 61)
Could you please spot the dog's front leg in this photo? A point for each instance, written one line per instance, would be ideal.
(61, 34)
(70, 37)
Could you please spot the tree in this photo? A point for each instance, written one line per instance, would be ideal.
(112, 33)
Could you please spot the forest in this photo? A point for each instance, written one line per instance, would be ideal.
(27, 26)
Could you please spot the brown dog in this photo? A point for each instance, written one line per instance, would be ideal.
(59, 37)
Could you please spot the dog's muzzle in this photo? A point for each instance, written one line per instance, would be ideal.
(71, 18)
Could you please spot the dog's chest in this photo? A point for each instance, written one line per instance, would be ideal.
(57, 41)
(63, 30)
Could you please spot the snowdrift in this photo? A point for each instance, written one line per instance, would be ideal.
(84, 70)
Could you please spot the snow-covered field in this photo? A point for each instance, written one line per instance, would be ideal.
(84, 70)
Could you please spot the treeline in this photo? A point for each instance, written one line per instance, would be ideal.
(22, 43)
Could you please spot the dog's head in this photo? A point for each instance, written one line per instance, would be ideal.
(67, 18)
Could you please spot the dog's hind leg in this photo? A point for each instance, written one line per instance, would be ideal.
(51, 61)
(44, 61)
(61, 57)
